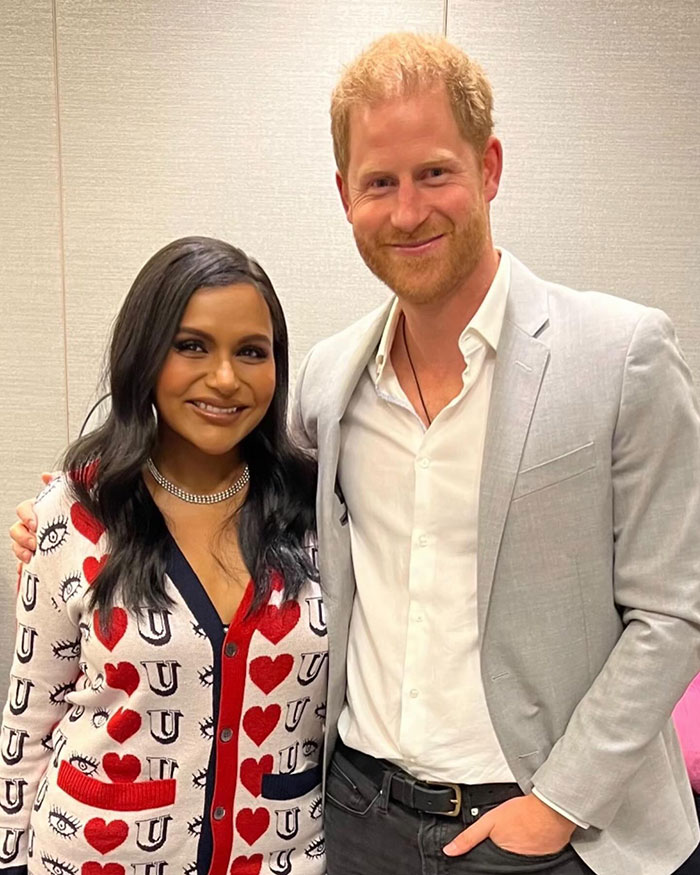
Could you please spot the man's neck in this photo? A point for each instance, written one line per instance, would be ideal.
(435, 327)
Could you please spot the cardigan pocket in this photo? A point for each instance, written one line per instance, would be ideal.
(283, 787)
(122, 796)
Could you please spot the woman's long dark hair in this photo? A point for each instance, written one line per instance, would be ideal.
(105, 466)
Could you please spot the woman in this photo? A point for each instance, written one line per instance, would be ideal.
(167, 699)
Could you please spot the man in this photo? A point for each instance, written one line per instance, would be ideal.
(509, 521)
(509, 517)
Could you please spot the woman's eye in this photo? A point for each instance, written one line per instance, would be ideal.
(254, 352)
(53, 535)
(56, 867)
(189, 345)
(63, 823)
(86, 765)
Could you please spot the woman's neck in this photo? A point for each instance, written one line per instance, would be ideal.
(193, 470)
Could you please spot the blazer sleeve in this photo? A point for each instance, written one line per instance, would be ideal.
(302, 432)
(656, 582)
(44, 670)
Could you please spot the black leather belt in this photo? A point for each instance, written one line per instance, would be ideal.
(445, 799)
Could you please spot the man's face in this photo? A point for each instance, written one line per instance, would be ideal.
(417, 195)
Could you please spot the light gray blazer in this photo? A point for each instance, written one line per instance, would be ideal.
(588, 557)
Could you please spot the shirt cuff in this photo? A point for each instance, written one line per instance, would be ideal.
(559, 809)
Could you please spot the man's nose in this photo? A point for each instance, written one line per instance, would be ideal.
(410, 210)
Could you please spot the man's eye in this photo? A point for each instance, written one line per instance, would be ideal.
(380, 182)
(64, 824)
(53, 535)
(189, 345)
(86, 765)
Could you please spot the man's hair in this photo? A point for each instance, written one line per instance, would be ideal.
(401, 64)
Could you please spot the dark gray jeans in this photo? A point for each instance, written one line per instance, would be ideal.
(368, 834)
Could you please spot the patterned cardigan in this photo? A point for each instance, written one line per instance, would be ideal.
(161, 742)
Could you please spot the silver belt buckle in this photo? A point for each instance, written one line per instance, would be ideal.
(457, 801)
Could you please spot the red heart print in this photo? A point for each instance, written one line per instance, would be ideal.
(92, 567)
(86, 523)
(276, 581)
(252, 772)
(252, 824)
(121, 770)
(99, 869)
(123, 676)
(267, 673)
(279, 620)
(247, 865)
(116, 627)
(123, 724)
(105, 837)
(259, 723)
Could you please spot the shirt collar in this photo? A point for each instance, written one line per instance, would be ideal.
(487, 322)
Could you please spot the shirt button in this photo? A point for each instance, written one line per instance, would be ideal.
(231, 649)
(413, 694)
(419, 619)
(423, 541)
(226, 734)
(424, 463)
(219, 812)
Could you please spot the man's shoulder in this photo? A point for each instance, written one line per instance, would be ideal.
(332, 357)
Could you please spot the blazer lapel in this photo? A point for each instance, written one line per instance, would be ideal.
(520, 367)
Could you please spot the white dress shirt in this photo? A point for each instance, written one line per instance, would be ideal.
(415, 694)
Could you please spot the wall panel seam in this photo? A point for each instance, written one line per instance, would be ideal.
(61, 210)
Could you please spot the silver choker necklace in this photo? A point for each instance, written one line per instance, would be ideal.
(198, 498)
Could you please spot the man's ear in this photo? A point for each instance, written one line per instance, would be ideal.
(343, 192)
(492, 167)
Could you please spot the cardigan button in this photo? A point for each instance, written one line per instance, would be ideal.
(219, 812)
(226, 734)
(231, 649)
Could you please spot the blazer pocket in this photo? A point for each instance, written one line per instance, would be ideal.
(555, 470)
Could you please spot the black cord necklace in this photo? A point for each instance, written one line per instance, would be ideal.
(413, 370)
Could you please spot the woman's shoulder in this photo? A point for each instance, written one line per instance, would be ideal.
(60, 515)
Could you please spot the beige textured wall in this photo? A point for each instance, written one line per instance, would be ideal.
(125, 125)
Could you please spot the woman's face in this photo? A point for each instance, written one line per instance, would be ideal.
(218, 379)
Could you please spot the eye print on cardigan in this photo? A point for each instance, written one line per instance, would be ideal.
(199, 779)
(84, 631)
(194, 827)
(206, 675)
(320, 711)
(57, 867)
(191, 869)
(57, 696)
(317, 848)
(66, 649)
(316, 808)
(63, 824)
(206, 728)
(86, 765)
(69, 586)
(100, 717)
(198, 629)
(52, 535)
(309, 746)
